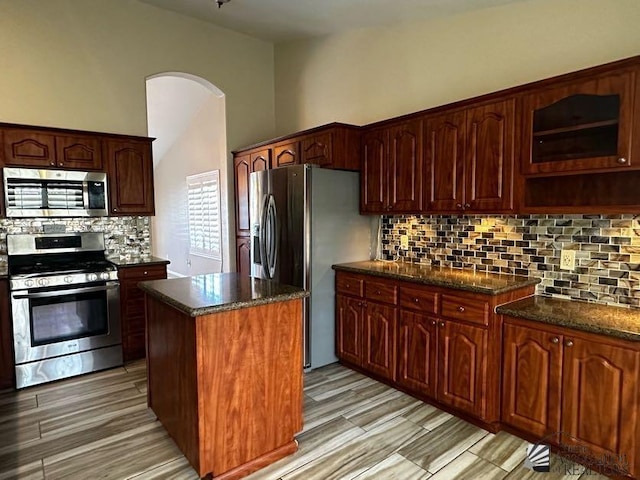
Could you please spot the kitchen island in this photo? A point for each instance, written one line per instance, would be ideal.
(224, 363)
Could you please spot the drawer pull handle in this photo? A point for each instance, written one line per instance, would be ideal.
(622, 160)
(569, 343)
(461, 309)
(555, 340)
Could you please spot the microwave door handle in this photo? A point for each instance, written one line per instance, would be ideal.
(57, 293)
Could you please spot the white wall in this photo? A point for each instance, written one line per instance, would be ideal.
(372, 74)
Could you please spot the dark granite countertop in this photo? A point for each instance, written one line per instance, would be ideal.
(219, 292)
(590, 317)
(469, 280)
(137, 261)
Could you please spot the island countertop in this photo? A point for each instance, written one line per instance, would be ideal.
(219, 292)
(469, 280)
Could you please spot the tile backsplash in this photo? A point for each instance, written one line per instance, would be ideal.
(607, 268)
(124, 236)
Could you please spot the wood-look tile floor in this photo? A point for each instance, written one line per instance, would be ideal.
(98, 426)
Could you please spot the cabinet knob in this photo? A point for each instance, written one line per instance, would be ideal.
(115, 209)
(146, 273)
(442, 324)
(569, 343)
(433, 322)
(61, 164)
(359, 304)
(347, 285)
(458, 205)
(467, 205)
(555, 340)
(622, 161)
(461, 309)
(53, 164)
(417, 300)
(378, 292)
(389, 207)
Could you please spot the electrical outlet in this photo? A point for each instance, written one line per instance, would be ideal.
(404, 242)
(567, 259)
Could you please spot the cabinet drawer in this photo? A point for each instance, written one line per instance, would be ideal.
(469, 310)
(349, 284)
(421, 299)
(143, 272)
(381, 291)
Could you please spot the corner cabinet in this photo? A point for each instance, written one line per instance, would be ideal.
(581, 384)
(440, 345)
(132, 313)
(130, 172)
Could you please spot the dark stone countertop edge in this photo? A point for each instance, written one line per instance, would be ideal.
(560, 321)
(447, 283)
(138, 261)
(200, 311)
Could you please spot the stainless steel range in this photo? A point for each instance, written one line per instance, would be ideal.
(65, 306)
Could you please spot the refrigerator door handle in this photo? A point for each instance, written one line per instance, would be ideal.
(269, 236)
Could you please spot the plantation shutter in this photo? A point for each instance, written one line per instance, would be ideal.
(205, 230)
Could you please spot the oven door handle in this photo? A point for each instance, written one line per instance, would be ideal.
(57, 293)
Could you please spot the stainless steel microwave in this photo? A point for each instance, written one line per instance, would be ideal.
(30, 192)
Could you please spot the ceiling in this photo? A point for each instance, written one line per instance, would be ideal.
(282, 20)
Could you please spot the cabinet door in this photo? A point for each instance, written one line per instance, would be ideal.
(417, 353)
(286, 154)
(489, 166)
(444, 138)
(380, 339)
(29, 148)
(405, 167)
(462, 367)
(532, 370)
(130, 177)
(317, 150)
(373, 188)
(7, 369)
(349, 329)
(241, 171)
(600, 398)
(79, 152)
(260, 160)
(584, 125)
(132, 311)
(243, 255)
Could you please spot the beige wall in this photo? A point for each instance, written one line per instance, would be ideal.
(83, 63)
(372, 74)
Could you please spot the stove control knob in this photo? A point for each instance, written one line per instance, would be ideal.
(28, 283)
(43, 282)
(104, 275)
(92, 277)
(68, 279)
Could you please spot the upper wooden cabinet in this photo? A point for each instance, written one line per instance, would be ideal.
(285, 154)
(582, 125)
(317, 149)
(36, 148)
(130, 171)
(392, 169)
(470, 158)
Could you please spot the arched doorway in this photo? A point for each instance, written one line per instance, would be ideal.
(186, 115)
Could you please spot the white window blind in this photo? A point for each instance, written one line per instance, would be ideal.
(205, 230)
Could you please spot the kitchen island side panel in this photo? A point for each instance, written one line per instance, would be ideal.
(171, 374)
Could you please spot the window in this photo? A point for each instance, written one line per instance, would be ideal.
(205, 231)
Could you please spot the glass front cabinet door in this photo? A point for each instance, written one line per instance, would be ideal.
(580, 126)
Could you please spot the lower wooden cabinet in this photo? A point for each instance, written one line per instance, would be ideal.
(583, 385)
(379, 349)
(243, 255)
(349, 329)
(417, 352)
(462, 371)
(7, 367)
(132, 313)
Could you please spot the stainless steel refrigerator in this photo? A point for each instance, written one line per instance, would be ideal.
(303, 220)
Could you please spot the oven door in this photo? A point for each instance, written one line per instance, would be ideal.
(50, 322)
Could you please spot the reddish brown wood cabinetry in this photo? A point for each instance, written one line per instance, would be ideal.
(132, 314)
(317, 149)
(7, 368)
(417, 352)
(349, 329)
(285, 154)
(130, 170)
(243, 255)
(380, 339)
(469, 159)
(392, 169)
(26, 147)
(583, 385)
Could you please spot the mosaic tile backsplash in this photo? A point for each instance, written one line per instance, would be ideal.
(124, 236)
(607, 250)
